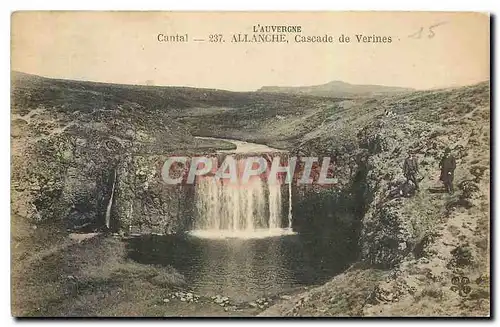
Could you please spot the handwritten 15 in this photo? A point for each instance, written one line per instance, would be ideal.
(430, 31)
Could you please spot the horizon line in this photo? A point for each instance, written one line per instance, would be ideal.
(246, 91)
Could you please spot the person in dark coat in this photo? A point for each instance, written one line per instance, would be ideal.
(448, 165)
(410, 169)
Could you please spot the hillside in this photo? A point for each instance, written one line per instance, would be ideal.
(412, 244)
(69, 138)
(337, 89)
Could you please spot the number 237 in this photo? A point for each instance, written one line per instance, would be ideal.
(215, 38)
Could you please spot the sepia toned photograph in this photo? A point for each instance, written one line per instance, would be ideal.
(250, 164)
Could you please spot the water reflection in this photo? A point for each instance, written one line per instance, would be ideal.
(242, 269)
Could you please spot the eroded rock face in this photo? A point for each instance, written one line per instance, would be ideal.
(145, 204)
(63, 181)
(387, 236)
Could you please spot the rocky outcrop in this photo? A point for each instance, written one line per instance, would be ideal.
(426, 241)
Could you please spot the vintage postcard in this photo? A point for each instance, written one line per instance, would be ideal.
(244, 164)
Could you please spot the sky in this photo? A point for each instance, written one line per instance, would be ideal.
(122, 47)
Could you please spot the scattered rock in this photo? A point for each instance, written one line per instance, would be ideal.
(221, 300)
(263, 303)
(188, 297)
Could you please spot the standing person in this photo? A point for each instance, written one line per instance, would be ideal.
(410, 169)
(447, 165)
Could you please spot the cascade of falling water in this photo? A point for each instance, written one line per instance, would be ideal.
(290, 203)
(110, 203)
(274, 205)
(224, 206)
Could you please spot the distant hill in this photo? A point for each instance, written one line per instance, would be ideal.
(337, 89)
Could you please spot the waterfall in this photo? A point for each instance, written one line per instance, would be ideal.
(274, 205)
(240, 209)
(110, 203)
(290, 204)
